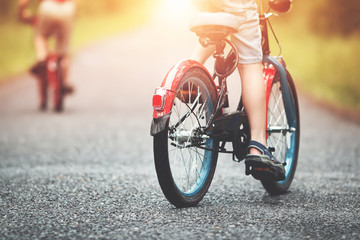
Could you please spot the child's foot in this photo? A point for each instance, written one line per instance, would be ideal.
(264, 166)
(68, 89)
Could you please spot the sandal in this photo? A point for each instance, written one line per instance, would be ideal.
(265, 166)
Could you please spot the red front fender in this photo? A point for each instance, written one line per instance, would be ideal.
(171, 81)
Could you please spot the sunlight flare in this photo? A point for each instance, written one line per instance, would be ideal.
(175, 8)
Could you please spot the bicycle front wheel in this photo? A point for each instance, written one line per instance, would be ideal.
(58, 85)
(185, 159)
(283, 138)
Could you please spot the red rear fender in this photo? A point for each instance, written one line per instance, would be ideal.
(168, 87)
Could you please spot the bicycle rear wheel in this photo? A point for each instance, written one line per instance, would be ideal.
(184, 164)
(58, 85)
(39, 70)
(284, 139)
(43, 88)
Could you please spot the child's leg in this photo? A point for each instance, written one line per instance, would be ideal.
(41, 47)
(253, 94)
(254, 99)
(201, 54)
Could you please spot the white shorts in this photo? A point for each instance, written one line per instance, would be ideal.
(248, 38)
(56, 19)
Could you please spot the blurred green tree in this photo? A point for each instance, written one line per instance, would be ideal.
(336, 17)
(7, 7)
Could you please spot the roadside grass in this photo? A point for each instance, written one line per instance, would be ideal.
(16, 49)
(330, 71)
(89, 30)
(16, 42)
(324, 67)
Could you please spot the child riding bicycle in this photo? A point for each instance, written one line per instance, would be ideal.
(54, 18)
(248, 43)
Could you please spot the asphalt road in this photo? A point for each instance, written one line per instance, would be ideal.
(88, 173)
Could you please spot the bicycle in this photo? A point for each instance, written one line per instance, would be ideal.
(50, 73)
(190, 128)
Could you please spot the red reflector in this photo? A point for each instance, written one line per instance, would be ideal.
(158, 102)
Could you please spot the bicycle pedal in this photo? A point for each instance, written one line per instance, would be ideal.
(263, 175)
(261, 172)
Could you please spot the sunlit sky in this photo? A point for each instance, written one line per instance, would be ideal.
(176, 5)
(175, 8)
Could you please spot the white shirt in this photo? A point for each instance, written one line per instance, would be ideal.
(235, 6)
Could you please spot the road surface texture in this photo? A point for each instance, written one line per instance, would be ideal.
(88, 172)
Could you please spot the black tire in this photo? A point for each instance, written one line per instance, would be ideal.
(39, 70)
(177, 146)
(286, 143)
(43, 88)
(59, 88)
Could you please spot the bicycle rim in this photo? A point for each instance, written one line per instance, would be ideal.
(281, 137)
(190, 165)
(184, 168)
(58, 89)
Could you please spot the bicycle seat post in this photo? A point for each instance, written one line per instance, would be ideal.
(219, 50)
(219, 55)
(220, 67)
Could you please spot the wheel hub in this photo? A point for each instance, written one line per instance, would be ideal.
(188, 138)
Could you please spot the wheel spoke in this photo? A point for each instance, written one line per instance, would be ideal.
(187, 163)
(280, 135)
(277, 123)
(184, 167)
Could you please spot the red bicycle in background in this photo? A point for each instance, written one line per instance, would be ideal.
(50, 76)
(54, 19)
